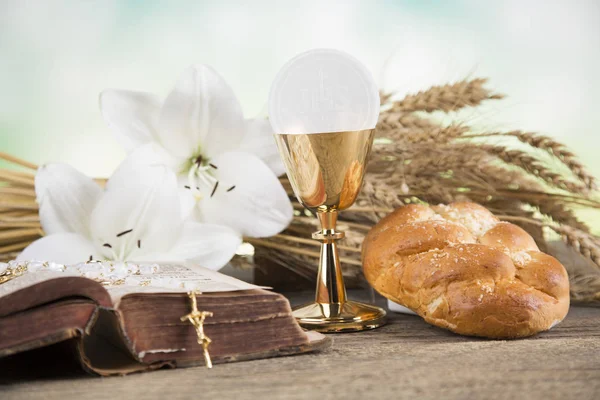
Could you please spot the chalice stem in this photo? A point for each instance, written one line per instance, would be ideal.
(330, 281)
(326, 171)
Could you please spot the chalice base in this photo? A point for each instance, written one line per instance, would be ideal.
(350, 316)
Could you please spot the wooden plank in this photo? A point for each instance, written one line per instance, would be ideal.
(405, 359)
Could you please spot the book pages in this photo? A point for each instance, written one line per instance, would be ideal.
(123, 278)
(178, 278)
(30, 279)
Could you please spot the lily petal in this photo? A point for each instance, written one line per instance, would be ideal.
(249, 197)
(147, 155)
(139, 210)
(132, 116)
(258, 140)
(63, 248)
(186, 201)
(66, 199)
(211, 246)
(152, 154)
(201, 115)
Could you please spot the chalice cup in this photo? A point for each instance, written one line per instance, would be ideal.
(326, 171)
(323, 107)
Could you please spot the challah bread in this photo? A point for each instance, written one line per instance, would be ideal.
(462, 269)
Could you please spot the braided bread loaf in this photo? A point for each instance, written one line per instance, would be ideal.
(462, 269)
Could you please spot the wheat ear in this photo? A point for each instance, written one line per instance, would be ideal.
(450, 97)
(533, 166)
(551, 146)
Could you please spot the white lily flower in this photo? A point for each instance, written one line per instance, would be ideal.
(137, 217)
(228, 165)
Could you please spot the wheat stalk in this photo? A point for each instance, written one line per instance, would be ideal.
(550, 146)
(19, 221)
(426, 161)
(415, 159)
(404, 121)
(534, 166)
(450, 97)
(585, 288)
(585, 243)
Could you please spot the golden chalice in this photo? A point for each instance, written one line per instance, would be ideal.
(326, 170)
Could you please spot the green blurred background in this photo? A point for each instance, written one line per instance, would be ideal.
(57, 56)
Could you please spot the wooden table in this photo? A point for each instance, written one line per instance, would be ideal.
(405, 359)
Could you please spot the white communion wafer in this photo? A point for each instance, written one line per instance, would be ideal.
(323, 90)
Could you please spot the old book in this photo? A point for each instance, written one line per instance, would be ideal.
(124, 325)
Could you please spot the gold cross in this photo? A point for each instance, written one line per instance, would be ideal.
(197, 318)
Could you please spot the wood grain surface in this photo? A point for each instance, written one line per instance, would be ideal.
(405, 359)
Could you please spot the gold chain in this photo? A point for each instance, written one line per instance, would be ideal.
(11, 273)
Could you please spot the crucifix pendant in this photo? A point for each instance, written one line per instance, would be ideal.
(205, 344)
(196, 318)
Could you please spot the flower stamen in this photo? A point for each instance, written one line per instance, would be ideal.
(128, 255)
(200, 176)
(191, 182)
(124, 232)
